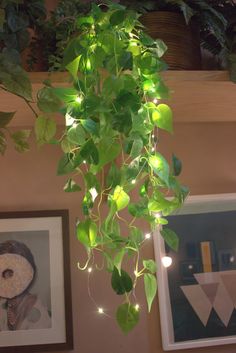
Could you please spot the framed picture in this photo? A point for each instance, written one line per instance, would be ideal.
(197, 292)
(35, 295)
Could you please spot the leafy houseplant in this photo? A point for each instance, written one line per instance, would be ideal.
(110, 144)
(202, 18)
(17, 18)
(224, 50)
(14, 80)
(54, 34)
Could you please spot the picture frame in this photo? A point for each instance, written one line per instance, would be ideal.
(35, 286)
(197, 292)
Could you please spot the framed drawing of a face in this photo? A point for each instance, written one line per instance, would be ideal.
(35, 304)
(197, 292)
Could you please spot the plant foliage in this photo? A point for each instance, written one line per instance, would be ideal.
(110, 147)
(17, 17)
(14, 80)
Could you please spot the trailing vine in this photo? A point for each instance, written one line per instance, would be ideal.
(112, 113)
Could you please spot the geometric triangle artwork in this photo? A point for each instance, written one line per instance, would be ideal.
(223, 304)
(229, 281)
(210, 290)
(215, 290)
(199, 301)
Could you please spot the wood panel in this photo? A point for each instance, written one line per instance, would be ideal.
(196, 96)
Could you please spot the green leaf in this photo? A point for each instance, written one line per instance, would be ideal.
(162, 117)
(113, 177)
(89, 152)
(65, 94)
(76, 135)
(15, 79)
(20, 140)
(71, 186)
(150, 285)
(120, 198)
(121, 283)
(150, 265)
(87, 233)
(108, 150)
(5, 118)
(117, 17)
(160, 166)
(86, 21)
(127, 317)
(65, 165)
(92, 182)
(161, 47)
(177, 165)
(72, 51)
(137, 147)
(171, 238)
(48, 102)
(45, 129)
(118, 259)
(90, 126)
(73, 67)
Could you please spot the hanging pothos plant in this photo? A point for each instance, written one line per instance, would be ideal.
(112, 113)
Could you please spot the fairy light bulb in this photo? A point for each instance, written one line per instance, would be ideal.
(84, 162)
(155, 100)
(148, 236)
(78, 99)
(90, 269)
(137, 307)
(100, 310)
(166, 261)
(157, 215)
(153, 149)
(133, 181)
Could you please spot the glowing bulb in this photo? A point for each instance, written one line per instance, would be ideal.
(155, 100)
(231, 259)
(133, 181)
(153, 136)
(93, 193)
(90, 269)
(153, 149)
(190, 267)
(157, 215)
(84, 162)
(148, 236)
(69, 120)
(78, 99)
(137, 307)
(100, 311)
(166, 261)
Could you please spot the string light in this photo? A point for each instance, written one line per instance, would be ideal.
(153, 149)
(90, 269)
(133, 181)
(100, 311)
(137, 307)
(93, 193)
(84, 162)
(78, 99)
(166, 261)
(148, 236)
(155, 100)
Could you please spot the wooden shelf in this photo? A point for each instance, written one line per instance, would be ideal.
(196, 96)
